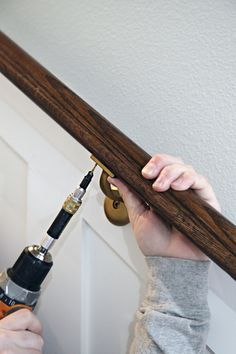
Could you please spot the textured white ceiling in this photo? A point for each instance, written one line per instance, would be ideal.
(163, 71)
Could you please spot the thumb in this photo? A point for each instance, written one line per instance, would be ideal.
(133, 204)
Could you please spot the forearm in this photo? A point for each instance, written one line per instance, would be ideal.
(174, 316)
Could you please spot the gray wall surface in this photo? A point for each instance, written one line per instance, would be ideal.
(162, 71)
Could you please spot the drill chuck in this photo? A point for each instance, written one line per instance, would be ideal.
(20, 285)
(29, 271)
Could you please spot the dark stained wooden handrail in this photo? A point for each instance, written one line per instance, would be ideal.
(208, 229)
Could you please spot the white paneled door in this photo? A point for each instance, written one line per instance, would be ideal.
(89, 299)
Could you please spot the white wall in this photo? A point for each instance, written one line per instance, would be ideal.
(163, 71)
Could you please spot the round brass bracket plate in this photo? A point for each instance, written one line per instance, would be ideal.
(116, 212)
(114, 206)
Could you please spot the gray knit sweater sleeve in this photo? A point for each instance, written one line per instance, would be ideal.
(174, 316)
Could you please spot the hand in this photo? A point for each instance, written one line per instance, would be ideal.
(20, 333)
(154, 237)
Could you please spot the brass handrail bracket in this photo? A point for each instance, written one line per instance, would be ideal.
(114, 207)
(103, 167)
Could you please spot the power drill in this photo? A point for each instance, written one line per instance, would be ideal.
(20, 285)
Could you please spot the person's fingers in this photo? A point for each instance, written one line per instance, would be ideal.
(27, 339)
(169, 174)
(181, 177)
(133, 204)
(17, 350)
(199, 184)
(184, 181)
(20, 342)
(24, 351)
(21, 320)
(157, 163)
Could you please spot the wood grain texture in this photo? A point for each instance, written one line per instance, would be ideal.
(207, 228)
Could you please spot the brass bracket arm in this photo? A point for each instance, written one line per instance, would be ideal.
(114, 207)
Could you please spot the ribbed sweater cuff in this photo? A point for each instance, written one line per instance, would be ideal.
(178, 286)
